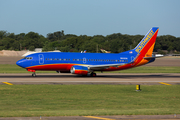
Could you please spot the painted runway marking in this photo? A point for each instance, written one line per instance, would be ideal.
(164, 83)
(7, 83)
(99, 118)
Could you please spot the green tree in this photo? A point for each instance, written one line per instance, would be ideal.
(31, 48)
(3, 34)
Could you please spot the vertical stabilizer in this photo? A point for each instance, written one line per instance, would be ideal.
(146, 46)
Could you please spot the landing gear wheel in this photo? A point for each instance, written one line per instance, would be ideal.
(93, 74)
(34, 74)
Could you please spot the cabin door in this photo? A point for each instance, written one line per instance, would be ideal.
(41, 59)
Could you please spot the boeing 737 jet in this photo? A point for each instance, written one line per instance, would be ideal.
(88, 63)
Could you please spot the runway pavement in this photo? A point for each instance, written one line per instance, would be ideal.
(102, 78)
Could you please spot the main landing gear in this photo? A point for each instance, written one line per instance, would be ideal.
(34, 74)
(93, 74)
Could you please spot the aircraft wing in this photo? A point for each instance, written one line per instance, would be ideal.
(104, 66)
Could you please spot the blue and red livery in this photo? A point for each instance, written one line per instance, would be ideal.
(88, 63)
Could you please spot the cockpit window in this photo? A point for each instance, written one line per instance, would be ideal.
(28, 58)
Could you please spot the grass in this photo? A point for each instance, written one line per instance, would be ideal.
(82, 100)
(6, 68)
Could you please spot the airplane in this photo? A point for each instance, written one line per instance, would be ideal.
(86, 64)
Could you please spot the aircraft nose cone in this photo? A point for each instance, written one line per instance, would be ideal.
(19, 63)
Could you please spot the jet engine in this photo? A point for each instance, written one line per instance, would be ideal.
(81, 70)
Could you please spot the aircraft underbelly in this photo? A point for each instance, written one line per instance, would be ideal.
(64, 67)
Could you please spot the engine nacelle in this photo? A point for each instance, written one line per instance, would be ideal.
(81, 70)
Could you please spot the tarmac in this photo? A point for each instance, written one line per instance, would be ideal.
(101, 78)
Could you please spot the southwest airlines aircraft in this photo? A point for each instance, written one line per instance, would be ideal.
(88, 63)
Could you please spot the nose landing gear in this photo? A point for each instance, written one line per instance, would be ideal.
(34, 74)
(31, 70)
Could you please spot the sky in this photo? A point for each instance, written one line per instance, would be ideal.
(90, 17)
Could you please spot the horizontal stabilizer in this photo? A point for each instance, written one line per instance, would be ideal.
(156, 56)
